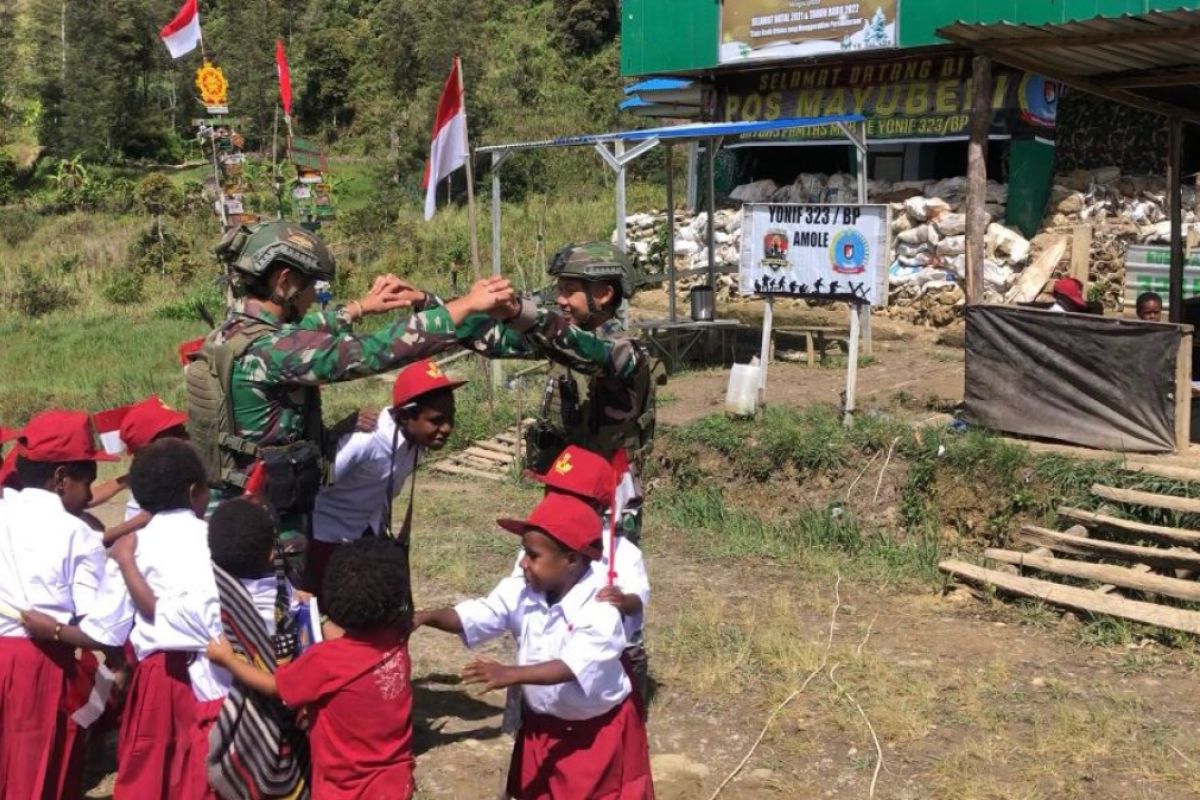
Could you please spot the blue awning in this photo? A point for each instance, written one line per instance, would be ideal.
(690, 132)
(657, 85)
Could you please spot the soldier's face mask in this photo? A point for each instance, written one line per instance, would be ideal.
(585, 303)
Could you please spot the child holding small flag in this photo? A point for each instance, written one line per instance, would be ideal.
(50, 563)
(581, 734)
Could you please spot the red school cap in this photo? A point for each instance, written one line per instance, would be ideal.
(581, 472)
(1071, 289)
(56, 436)
(565, 518)
(418, 378)
(146, 420)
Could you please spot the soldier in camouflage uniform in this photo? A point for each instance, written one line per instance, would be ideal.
(612, 415)
(253, 392)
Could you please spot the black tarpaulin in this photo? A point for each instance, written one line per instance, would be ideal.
(1076, 378)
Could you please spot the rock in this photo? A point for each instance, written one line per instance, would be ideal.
(901, 222)
(950, 187)
(951, 224)
(997, 277)
(641, 248)
(699, 226)
(686, 247)
(1105, 175)
(1071, 204)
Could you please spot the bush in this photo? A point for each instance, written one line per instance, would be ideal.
(36, 295)
(206, 300)
(18, 224)
(156, 195)
(125, 288)
(8, 179)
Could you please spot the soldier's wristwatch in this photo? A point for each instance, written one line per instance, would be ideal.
(344, 316)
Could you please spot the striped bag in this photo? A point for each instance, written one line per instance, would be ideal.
(256, 750)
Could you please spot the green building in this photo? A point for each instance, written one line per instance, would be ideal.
(764, 59)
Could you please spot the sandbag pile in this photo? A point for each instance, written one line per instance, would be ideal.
(1120, 210)
(928, 257)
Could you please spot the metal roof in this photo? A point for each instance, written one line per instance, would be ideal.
(676, 133)
(1151, 61)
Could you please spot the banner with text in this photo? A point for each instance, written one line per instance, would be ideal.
(906, 98)
(830, 252)
(756, 30)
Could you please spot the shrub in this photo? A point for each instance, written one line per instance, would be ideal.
(36, 295)
(125, 288)
(156, 195)
(18, 224)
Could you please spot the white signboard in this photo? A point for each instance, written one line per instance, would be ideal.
(831, 252)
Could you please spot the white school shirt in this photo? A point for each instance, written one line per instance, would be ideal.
(110, 619)
(631, 577)
(358, 495)
(579, 630)
(172, 555)
(50, 560)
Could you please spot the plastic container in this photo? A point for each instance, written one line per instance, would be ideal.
(741, 398)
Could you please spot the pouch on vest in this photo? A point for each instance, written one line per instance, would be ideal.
(294, 476)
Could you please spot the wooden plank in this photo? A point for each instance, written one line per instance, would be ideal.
(1181, 536)
(1186, 505)
(495, 447)
(1083, 546)
(489, 455)
(1076, 599)
(1031, 280)
(482, 464)
(1183, 392)
(1123, 577)
(467, 472)
(1081, 251)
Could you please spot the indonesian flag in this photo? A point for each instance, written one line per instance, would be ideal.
(108, 425)
(182, 34)
(89, 691)
(285, 79)
(448, 150)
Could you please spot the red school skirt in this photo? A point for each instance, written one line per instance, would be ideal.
(37, 736)
(160, 750)
(603, 758)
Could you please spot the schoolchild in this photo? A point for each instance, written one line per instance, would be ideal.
(581, 734)
(50, 562)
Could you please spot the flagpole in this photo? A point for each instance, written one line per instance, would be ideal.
(276, 184)
(471, 216)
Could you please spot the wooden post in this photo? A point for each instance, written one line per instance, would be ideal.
(669, 258)
(710, 149)
(618, 151)
(1081, 253)
(981, 122)
(1175, 210)
(764, 356)
(851, 367)
(472, 219)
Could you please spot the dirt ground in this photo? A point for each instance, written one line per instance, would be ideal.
(864, 690)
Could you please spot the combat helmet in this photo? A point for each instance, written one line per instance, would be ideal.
(252, 249)
(594, 261)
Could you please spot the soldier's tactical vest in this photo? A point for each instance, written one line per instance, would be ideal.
(295, 470)
(583, 410)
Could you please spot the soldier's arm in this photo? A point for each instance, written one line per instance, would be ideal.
(546, 333)
(308, 358)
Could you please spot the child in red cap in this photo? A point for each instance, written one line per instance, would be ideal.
(50, 565)
(144, 422)
(581, 734)
(370, 467)
(588, 476)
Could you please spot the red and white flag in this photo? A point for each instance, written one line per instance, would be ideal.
(285, 79)
(108, 425)
(182, 34)
(448, 150)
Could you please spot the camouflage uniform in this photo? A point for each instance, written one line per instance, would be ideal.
(614, 365)
(274, 383)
